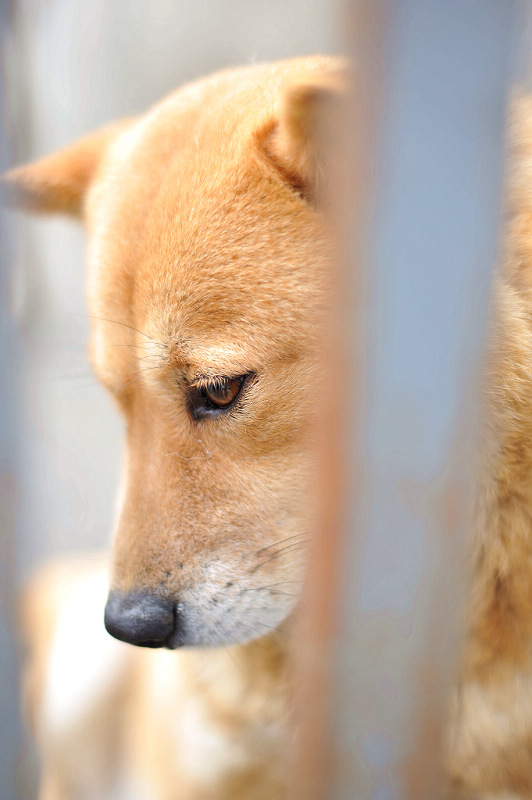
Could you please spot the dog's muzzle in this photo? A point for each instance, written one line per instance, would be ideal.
(143, 619)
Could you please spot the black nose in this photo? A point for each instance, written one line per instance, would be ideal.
(143, 619)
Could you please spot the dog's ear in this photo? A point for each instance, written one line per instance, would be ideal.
(300, 140)
(59, 182)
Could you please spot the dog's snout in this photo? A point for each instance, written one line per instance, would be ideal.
(146, 620)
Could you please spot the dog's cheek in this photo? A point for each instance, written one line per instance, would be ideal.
(214, 525)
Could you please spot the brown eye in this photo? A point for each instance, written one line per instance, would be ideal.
(214, 397)
(222, 392)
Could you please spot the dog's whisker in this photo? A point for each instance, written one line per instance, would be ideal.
(282, 583)
(274, 636)
(290, 546)
(152, 357)
(234, 660)
(117, 322)
(277, 635)
(145, 346)
(137, 374)
(190, 458)
(141, 370)
(276, 555)
(281, 541)
(205, 457)
(142, 346)
(260, 634)
(269, 590)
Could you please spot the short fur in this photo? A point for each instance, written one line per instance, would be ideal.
(207, 257)
(491, 730)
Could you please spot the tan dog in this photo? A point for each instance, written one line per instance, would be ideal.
(207, 259)
(490, 738)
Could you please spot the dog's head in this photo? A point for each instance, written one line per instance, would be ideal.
(207, 257)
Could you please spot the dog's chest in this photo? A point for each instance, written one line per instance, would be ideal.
(208, 731)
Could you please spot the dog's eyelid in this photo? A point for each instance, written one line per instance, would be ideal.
(204, 381)
(202, 394)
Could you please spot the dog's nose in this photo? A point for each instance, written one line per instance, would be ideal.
(146, 620)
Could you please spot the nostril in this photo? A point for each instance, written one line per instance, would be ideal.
(143, 619)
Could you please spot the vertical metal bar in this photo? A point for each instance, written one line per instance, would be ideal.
(424, 265)
(10, 724)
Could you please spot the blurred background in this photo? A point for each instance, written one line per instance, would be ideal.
(69, 66)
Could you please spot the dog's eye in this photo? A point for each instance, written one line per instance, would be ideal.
(223, 392)
(215, 396)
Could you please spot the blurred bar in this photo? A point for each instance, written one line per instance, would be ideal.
(383, 624)
(10, 354)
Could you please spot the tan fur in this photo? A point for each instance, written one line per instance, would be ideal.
(217, 282)
(58, 182)
(491, 730)
(206, 724)
(207, 257)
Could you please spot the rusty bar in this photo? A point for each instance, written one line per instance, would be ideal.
(392, 531)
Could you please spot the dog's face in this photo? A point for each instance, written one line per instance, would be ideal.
(207, 257)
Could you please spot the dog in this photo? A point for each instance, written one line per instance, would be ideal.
(208, 251)
(207, 257)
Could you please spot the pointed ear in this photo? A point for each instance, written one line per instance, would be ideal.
(299, 141)
(59, 182)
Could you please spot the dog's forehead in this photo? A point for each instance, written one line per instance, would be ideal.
(230, 261)
(194, 235)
